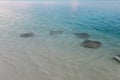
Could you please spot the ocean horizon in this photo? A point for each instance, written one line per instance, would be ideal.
(43, 40)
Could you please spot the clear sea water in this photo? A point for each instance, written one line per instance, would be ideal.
(59, 57)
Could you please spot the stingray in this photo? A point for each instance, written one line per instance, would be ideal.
(82, 35)
(91, 44)
(27, 35)
(56, 32)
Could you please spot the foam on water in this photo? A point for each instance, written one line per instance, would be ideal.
(58, 57)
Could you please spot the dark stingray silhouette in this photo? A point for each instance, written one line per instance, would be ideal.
(27, 35)
(91, 44)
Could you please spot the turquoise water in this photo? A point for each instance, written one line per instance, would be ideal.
(59, 57)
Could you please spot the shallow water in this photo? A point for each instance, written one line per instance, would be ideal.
(58, 57)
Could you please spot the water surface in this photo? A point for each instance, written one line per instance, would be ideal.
(60, 57)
